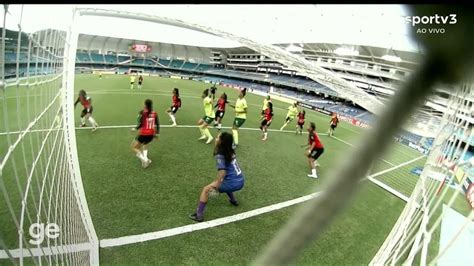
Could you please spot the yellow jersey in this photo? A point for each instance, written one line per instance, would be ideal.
(132, 79)
(208, 109)
(240, 106)
(265, 104)
(292, 111)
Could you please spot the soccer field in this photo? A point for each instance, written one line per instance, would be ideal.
(126, 200)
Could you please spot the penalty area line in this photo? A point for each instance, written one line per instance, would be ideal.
(193, 126)
(132, 239)
(126, 240)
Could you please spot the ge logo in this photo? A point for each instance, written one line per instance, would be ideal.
(38, 231)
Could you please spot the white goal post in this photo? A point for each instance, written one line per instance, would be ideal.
(47, 220)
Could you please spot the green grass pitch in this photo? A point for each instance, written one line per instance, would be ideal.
(125, 199)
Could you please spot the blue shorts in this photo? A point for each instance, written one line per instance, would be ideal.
(231, 186)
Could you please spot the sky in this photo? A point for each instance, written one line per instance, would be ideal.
(375, 25)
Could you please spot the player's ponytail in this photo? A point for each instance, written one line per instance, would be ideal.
(176, 91)
(225, 146)
(149, 106)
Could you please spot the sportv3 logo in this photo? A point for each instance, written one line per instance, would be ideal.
(415, 20)
(431, 20)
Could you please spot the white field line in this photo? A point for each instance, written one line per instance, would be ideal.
(132, 239)
(140, 92)
(164, 126)
(125, 240)
(388, 188)
(47, 251)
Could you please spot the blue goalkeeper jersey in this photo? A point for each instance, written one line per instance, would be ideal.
(233, 173)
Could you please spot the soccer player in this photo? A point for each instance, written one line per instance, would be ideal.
(333, 124)
(267, 121)
(86, 113)
(175, 106)
(265, 106)
(300, 122)
(149, 128)
(140, 81)
(229, 175)
(220, 110)
(292, 111)
(208, 117)
(100, 75)
(132, 81)
(240, 115)
(316, 148)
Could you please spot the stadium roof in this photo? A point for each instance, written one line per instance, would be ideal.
(374, 25)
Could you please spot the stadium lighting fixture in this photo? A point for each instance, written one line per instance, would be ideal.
(294, 48)
(346, 51)
(391, 58)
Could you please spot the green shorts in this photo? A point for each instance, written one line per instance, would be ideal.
(208, 119)
(238, 122)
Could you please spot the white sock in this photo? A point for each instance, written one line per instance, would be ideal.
(92, 121)
(145, 154)
(140, 156)
(265, 134)
(173, 119)
(83, 120)
(219, 126)
(313, 171)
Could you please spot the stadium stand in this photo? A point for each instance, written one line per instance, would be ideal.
(111, 59)
(97, 58)
(176, 63)
(164, 62)
(189, 66)
(83, 57)
(122, 58)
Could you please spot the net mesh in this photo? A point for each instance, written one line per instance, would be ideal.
(42, 215)
(415, 236)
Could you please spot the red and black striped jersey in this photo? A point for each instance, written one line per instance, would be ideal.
(268, 114)
(313, 138)
(301, 118)
(221, 105)
(147, 121)
(85, 101)
(176, 101)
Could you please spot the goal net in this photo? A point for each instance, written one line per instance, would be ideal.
(44, 218)
(443, 185)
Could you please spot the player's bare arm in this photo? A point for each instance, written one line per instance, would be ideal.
(77, 101)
